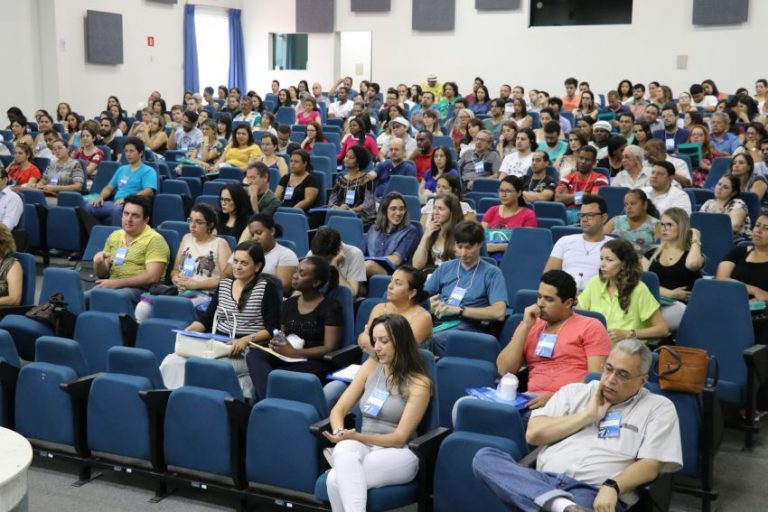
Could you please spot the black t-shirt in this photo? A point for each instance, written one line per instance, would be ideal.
(310, 327)
(673, 276)
(753, 274)
(298, 191)
(533, 185)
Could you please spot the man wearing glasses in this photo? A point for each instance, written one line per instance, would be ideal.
(600, 441)
(480, 162)
(579, 255)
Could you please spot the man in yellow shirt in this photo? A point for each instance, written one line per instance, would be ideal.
(433, 86)
(135, 257)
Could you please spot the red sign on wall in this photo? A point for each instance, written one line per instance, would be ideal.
(150, 41)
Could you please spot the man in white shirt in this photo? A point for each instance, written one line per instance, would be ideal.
(343, 107)
(662, 193)
(246, 115)
(186, 136)
(400, 127)
(579, 255)
(11, 205)
(601, 441)
(699, 99)
(347, 259)
(655, 152)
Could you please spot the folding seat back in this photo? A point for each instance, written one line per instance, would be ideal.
(524, 259)
(97, 332)
(157, 336)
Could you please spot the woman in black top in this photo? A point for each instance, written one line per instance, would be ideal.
(311, 316)
(234, 210)
(750, 264)
(677, 262)
(298, 188)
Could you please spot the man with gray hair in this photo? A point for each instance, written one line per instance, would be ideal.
(600, 441)
(722, 140)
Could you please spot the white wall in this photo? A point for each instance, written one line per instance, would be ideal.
(43, 45)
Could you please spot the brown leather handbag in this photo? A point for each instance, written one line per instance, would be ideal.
(683, 369)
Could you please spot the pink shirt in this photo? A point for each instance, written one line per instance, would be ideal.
(524, 218)
(579, 337)
(306, 119)
(348, 142)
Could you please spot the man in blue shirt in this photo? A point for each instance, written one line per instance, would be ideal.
(134, 178)
(722, 140)
(397, 165)
(467, 290)
(672, 135)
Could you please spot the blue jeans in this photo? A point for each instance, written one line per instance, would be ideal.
(523, 488)
(439, 339)
(134, 294)
(109, 213)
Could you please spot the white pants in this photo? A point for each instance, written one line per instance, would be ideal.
(172, 370)
(673, 314)
(358, 467)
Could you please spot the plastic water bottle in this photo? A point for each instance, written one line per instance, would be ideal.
(278, 337)
(507, 388)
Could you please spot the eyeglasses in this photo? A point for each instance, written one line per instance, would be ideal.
(196, 222)
(505, 191)
(621, 375)
(666, 225)
(225, 200)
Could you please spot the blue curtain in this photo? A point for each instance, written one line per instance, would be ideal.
(236, 51)
(191, 73)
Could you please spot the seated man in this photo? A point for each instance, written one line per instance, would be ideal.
(347, 259)
(134, 178)
(585, 180)
(481, 162)
(600, 440)
(135, 257)
(256, 183)
(559, 346)
(467, 290)
(537, 184)
(654, 152)
(579, 255)
(672, 134)
(396, 165)
(661, 192)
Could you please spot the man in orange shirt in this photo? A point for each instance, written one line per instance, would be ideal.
(571, 99)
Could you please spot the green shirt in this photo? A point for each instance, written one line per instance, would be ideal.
(268, 203)
(148, 247)
(642, 305)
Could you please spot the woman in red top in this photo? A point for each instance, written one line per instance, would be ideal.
(358, 136)
(309, 114)
(511, 213)
(700, 134)
(22, 171)
(88, 150)
(314, 134)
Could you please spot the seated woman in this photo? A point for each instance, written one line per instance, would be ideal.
(566, 163)
(743, 167)
(154, 136)
(234, 211)
(621, 297)
(405, 294)
(640, 223)
(749, 265)
(474, 127)
(311, 316)
(355, 191)
(441, 164)
(22, 171)
(19, 129)
(520, 115)
(753, 134)
(727, 201)
(391, 238)
(11, 273)
(62, 174)
(587, 106)
(643, 133)
(241, 150)
(614, 161)
(280, 261)
(437, 244)
(246, 308)
(200, 263)
(677, 262)
(358, 136)
(298, 189)
(314, 134)
(269, 156)
(700, 135)
(446, 184)
(44, 124)
(88, 150)
(507, 139)
(208, 151)
(309, 113)
(393, 390)
(72, 128)
(511, 213)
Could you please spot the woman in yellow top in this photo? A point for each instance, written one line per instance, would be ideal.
(241, 150)
(629, 308)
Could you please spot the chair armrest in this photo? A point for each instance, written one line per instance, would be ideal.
(15, 310)
(319, 427)
(522, 377)
(427, 445)
(344, 357)
(656, 494)
(78, 390)
(156, 401)
(530, 459)
(9, 375)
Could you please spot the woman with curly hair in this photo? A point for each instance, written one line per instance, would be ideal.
(629, 308)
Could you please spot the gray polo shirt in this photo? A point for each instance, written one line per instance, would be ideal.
(649, 430)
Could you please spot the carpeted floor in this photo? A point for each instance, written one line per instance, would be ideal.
(740, 480)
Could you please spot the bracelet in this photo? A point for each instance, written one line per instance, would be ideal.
(338, 431)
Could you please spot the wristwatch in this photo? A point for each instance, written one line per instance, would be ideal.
(612, 483)
(461, 312)
(632, 334)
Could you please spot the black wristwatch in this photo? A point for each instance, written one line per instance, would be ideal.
(461, 312)
(612, 483)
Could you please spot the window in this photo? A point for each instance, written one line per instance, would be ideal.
(212, 34)
(289, 51)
